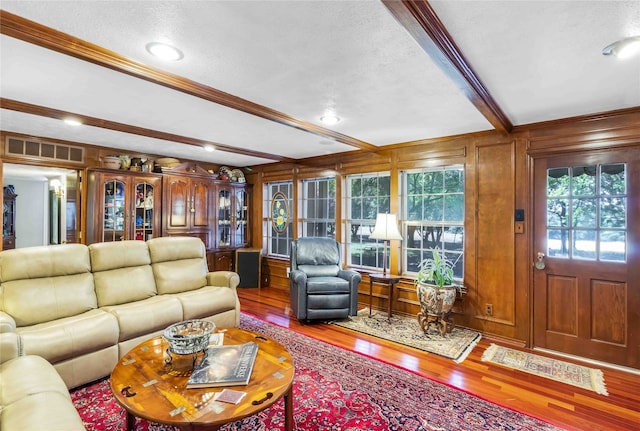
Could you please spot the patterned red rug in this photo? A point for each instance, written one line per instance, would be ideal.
(339, 390)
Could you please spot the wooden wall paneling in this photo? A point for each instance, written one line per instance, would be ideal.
(495, 250)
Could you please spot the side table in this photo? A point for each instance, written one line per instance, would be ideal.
(386, 279)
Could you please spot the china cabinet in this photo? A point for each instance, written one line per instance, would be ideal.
(9, 218)
(188, 204)
(123, 206)
(232, 224)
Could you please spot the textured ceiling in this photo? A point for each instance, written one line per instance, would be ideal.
(538, 60)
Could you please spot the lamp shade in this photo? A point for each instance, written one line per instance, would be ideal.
(386, 227)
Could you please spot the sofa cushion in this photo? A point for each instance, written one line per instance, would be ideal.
(327, 285)
(317, 251)
(70, 337)
(122, 272)
(320, 270)
(50, 411)
(207, 301)
(39, 284)
(179, 263)
(143, 317)
(28, 375)
(34, 397)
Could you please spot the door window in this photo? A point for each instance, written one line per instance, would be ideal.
(587, 212)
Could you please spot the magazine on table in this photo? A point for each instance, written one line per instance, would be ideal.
(227, 365)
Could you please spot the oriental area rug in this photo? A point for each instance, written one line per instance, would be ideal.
(406, 330)
(338, 390)
(560, 371)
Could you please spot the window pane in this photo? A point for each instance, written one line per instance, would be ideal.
(454, 207)
(613, 212)
(454, 181)
(584, 246)
(414, 183)
(584, 181)
(558, 182)
(584, 212)
(414, 207)
(454, 238)
(558, 242)
(613, 245)
(557, 212)
(433, 208)
(612, 179)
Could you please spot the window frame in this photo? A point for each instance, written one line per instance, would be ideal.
(305, 220)
(454, 253)
(284, 238)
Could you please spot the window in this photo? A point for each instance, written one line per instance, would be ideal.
(319, 207)
(366, 196)
(278, 229)
(433, 216)
(586, 212)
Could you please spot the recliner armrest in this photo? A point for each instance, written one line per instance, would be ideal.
(299, 278)
(228, 279)
(350, 275)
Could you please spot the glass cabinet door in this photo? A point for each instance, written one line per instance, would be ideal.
(224, 218)
(144, 197)
(241, 218)
(114, 211)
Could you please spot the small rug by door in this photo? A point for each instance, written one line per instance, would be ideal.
(335, 389)
(406, 330)
(560, 371)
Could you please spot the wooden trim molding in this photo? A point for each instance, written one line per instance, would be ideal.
(422, 23)
(23, 29)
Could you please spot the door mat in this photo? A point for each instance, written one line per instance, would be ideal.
(560, 371)
(406, 330)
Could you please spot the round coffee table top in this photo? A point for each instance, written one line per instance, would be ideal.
(150, 389)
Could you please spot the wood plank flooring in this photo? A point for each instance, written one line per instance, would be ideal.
(560, 404)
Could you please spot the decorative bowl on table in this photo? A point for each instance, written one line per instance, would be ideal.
(189, 337)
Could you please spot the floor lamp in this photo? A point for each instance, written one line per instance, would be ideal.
(386, 229)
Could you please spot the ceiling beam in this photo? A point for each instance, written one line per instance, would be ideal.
(46, 37)
(43, 111)
(421, 21)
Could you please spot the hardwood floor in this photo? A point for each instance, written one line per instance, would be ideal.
(560, 404)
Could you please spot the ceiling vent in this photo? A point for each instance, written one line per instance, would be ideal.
(44, 150)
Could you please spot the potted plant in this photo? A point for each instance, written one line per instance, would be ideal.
(436, 291)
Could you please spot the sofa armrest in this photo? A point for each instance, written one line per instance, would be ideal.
(10, 346)
(7, 323)
(228, 279)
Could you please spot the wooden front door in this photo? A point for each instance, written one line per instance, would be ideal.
(587, 255)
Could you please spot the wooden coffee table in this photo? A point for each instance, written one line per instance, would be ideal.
(150, 389)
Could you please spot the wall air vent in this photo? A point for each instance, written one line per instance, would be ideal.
(44, 150)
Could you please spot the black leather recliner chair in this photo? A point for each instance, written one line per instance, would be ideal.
(320, 288)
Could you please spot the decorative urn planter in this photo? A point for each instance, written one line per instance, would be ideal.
(435, 306)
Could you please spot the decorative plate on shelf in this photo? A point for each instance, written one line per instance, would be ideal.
(237, 175)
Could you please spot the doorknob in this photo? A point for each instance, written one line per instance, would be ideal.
(539, 263)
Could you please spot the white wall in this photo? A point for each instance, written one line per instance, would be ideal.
(32, 210)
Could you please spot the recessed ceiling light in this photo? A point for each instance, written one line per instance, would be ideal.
(209, 148)
(330, 119)
(72, 121)
(164, 51)
(624, 48)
